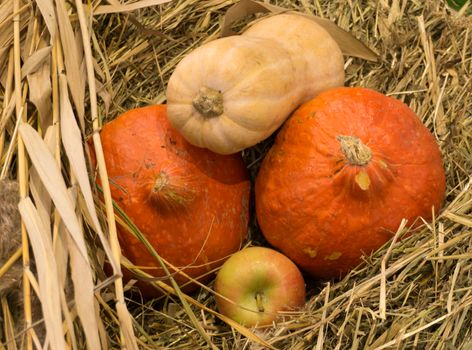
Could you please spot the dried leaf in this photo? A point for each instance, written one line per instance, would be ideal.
(72, 60)
(52, 179)
(46, 7)
(69, 321)
(49, 287)
(118, 7)
(243, 9)
(41, 198)
(61, 252)
(72, 141)
(40, 94)
(349, 45)
(38, 70)
(82, 279)
(35, 61)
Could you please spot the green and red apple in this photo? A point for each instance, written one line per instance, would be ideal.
(256, 284)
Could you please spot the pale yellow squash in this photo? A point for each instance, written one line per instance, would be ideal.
(233, 92)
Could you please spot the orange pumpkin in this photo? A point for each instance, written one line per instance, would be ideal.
(190, 203)
(345, 169)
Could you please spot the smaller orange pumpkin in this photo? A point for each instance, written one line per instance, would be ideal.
(345, 169)
(190, 203)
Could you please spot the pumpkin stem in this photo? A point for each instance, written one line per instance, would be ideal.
(358, 154)
(354, 150)
(168, 192)
(209, 102)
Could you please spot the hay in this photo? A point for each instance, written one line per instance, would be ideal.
(413, 293)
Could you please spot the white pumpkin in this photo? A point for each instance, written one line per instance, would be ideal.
(233, 92)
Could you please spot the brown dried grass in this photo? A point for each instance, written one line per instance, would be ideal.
(55, 92)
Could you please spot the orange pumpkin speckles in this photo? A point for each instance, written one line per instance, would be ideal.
(345, 169)
(190, 203)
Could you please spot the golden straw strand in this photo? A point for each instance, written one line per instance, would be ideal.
(129, 341)
(22, 169)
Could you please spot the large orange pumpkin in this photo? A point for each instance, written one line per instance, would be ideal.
(190, 203)
(345, 169)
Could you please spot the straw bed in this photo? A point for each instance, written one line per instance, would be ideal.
(66, 68)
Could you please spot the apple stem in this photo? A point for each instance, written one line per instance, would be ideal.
(259, 302)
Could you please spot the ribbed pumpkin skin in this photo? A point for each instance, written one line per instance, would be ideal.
(308, 203)
(203, 216)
